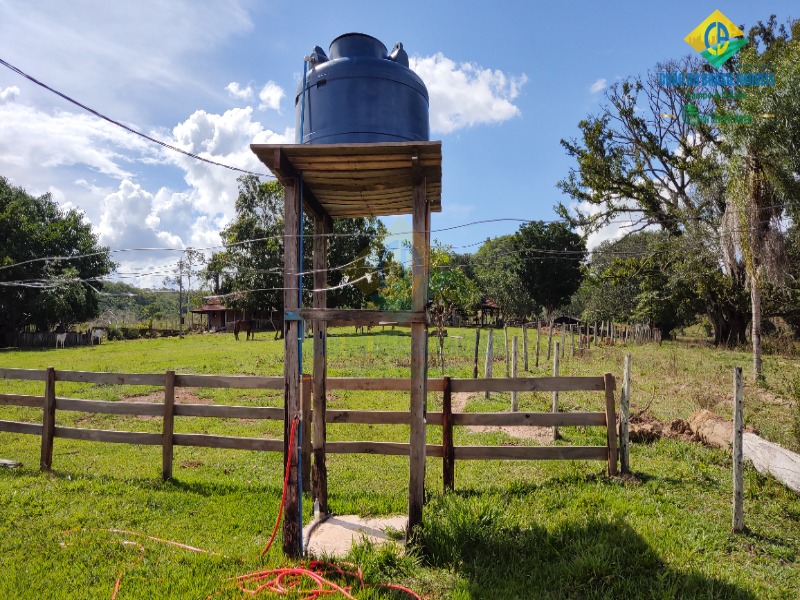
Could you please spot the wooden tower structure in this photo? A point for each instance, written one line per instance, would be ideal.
(337, 181)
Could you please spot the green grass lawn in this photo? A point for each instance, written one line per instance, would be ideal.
(510, 530)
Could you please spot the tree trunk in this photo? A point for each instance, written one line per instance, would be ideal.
(755, 300)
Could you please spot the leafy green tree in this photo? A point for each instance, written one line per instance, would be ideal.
(548, 262)
(250, 269)
(494, 266)
(45, 293)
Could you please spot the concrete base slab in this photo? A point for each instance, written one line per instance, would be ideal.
(335, 535)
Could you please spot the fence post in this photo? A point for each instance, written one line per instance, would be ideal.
(563, 340)
(525, 344)
(596, 335)
(538, 340)
(572, 337)
(555, 394)
(448, 452)
(738, 427)
(611, 423)
(549, 339)
(168, 428)
(487, 371)
(505, 337)
(624, 418)
(514, 395)
(477, 343)
(305, 411)
(48, 420)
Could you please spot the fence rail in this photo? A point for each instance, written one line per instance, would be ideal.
(447, 419)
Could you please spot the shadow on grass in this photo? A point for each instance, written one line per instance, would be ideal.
(595, 558)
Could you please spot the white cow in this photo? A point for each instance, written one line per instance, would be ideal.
(97, 334)
(61, 340)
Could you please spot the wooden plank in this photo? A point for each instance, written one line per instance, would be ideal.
(104, 435)
(368, 417)
(21, 400)
(244, 382)
(24, 374)
(530, 384)
(48, 420)
(168, 427)
(228, 412)
(611, 421)
(448, 462)
(201, 440)
(363, 317)
(531, 453)
(319, 299)
(380, 448)
(380, 384)
(110, 408)
(305, 447)
(292, 266)
(543, 419)
(419, 355)
(738, 431)
(111, 378)
(16, 427)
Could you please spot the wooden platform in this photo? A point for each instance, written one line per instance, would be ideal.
(358, 180)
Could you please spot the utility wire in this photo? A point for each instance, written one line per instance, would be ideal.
(100, 115)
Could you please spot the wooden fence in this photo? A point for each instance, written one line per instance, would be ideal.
(447, 419)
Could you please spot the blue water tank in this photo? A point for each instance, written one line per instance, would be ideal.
(360, 93)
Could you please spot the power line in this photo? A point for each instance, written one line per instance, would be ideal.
(100, 115)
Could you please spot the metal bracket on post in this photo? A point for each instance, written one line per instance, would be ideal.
(292, 315)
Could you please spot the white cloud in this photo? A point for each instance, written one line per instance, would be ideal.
(8, 94)
(598, 86)
(237, 91)
(271, 95)
(463, 95)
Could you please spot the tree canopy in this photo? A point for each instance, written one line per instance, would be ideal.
(51, 266)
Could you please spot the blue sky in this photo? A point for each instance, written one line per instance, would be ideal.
(507, 80)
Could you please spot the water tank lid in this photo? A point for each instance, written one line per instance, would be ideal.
(357, 44)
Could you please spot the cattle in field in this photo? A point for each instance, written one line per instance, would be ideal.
(246, 326)
(61, 340)
(97, 334)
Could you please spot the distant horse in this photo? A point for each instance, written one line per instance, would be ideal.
(61, 340)
(247, 326)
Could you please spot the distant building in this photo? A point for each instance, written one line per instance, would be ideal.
(219, 317)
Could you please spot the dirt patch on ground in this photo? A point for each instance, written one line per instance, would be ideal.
(182, 396)
(544, 435)
(644, 428)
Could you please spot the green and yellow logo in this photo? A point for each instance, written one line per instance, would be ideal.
(717, 39)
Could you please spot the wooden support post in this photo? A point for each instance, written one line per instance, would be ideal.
(555, 394)
(538, 340)
(448, 462)
(487, 367)
(563, 340)
(549, 339)
(525, 344)
(572, 337)
(596, 334)
(319, 299)
(505, 339)
(305, 450)
(292, 526)
(169, 426)
(514, 395)
(48, 420)
(738, 432)
(477, 345)
(624, 418)
(420, 250)
(611, 424)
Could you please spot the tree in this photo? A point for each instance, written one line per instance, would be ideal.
(494, 265)
(548, 262)
(250, 269)
(762, 166)
(61, 290)
(660, 172)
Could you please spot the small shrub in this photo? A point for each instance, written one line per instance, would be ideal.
(114, 333)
